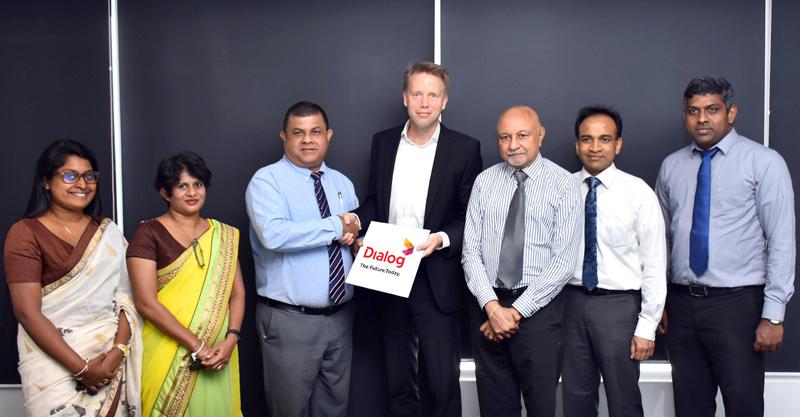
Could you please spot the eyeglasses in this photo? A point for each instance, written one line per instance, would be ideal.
(201, 260)
(71, 177)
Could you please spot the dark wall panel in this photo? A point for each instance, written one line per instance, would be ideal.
(637, 56)
(216, 78)
(53, 84)
(784, 109)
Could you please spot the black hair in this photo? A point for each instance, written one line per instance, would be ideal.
(51, 159)
(589, 111)
(170, 169)
(709, 85)
(304, 109)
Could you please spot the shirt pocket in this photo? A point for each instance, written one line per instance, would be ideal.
(617, 229)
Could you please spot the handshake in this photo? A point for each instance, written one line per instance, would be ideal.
(351, 225)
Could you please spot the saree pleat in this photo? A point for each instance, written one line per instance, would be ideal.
(198, 298)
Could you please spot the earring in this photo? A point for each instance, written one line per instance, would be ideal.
(47, 187)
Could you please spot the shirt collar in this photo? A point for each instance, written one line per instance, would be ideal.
(532, 170)
(432, 140)
(606, 177)
(725, 144)
(303, 172)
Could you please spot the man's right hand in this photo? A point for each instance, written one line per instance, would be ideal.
(349, 229)
(357, 246)
(664, 323)
(504, 321)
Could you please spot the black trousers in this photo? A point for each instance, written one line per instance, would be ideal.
(710, 344)
(529, 362)
(597, 339)
(416, 327)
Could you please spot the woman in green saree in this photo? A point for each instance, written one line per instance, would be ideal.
(188, 287)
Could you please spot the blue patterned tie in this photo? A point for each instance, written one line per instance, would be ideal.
(335, 265)
(590, 236)
(698, 237)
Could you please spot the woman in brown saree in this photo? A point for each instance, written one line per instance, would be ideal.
(79, 339)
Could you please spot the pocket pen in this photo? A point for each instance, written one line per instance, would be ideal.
(341, 201)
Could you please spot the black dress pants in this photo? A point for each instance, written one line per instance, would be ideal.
(528, 363)
(416, 327)
(710, 344)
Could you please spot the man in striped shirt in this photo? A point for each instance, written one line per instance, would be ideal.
(521, 241)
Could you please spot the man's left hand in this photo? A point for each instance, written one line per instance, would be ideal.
(434, 242)
(641, 348)
(768, 336)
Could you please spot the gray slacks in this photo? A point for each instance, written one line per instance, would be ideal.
(306, 361)
(597, 337)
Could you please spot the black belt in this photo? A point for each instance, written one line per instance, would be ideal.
(302, 309)
(506, 293)
(602, 291)
(702, 291)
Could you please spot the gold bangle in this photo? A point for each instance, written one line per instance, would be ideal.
(494, 311)
(125, 349)
(85, 368)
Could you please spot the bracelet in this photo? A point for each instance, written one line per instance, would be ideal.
(494, 310)
(85, 368)
(125, 349)
(194, 354)
(234, 332)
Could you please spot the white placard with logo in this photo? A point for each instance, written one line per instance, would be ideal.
(388, 261)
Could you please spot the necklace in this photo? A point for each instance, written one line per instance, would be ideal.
(196, 248)
(64, 223)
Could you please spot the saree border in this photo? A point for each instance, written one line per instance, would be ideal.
(208, 318)
(98, 234)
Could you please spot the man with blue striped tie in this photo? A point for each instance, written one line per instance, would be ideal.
(521, 240)
(300, 230)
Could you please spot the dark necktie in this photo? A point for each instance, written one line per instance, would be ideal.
(509, 271)
(590, 236)
(336, 267)
(698, 237)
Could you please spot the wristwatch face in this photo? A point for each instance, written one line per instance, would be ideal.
(775, 322)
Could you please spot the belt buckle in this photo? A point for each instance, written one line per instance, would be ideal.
(703, 290)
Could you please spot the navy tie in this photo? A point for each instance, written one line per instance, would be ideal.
(698, 237)
(590, 236)
(335, 265)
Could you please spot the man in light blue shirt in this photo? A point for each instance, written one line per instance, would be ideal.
(300, 232)
(729, 211)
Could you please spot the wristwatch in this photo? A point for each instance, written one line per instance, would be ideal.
(125, 349)
(775, 322)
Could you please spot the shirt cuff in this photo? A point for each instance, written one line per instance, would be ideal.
(646, 329)
(525, 309)
(773, 310)
(358, 220)
(445, 240)
(485, 295)
(338, 227)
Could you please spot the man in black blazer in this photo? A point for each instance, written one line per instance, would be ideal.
(421, 176)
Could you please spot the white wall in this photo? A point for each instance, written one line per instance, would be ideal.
(782, 394)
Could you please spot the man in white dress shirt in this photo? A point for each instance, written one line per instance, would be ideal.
(420, 176)
(615, 299)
